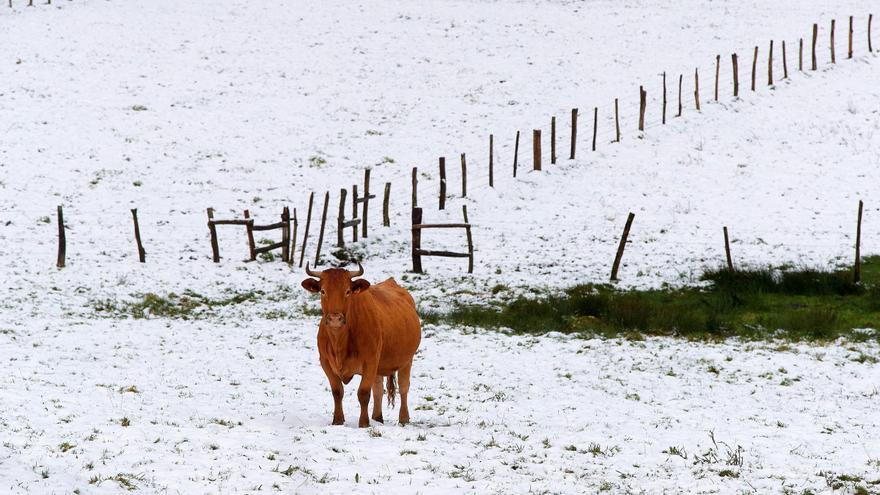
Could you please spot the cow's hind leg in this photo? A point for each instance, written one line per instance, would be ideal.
(377, 399)
(403, 389)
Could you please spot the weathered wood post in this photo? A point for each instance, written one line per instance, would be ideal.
(643, 97)
(727, 250)
(354, 212)
(470, 239)
(62, 240)
(491, 160)
(770, 65)
(616, 122)
(754, 67)
(386, 217)
(415, 187)
(833, 59)
(142, 254)
(857, 269)
(323, 224)
(717, 73)
(621, 246)
(293, 239)
(249, 227)
(215, 246)
(574, 131)
(340, 219)
(680, 79)
(870, 18)
(515, 153)
(366, 201)
(302, 249)
(815, 37)
(536, 149)
(735, 75)
(463, 176)
(697, 88)
(800, 54)
(285, 234)
(595, 125)
(849, 44)
(416, 240)
(442, 183)
(553, 140)
(663, 117)
(784, 62)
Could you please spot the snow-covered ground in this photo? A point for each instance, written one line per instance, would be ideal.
(172, 107)
(243, 407)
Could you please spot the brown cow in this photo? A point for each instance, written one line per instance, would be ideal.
(367, 330)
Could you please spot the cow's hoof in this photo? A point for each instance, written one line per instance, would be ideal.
(379, 419)
(337, 422)
(363, 424)
(404, 422)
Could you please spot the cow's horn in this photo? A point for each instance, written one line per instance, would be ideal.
(310, 273)
(358, 273)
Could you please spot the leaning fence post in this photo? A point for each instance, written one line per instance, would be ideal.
(302, 249)
(857, 269)
(770, 65)
(416, 240)
(717, 73)
(574, 131)
(621, 246)
(470, 240)
(833, 59)
(386, 218)
(536, 149)
(727, 250)
(815, 37)
(215, 246)
(463, 176)
(754, 67)
(553, 140)
(249, 226)
(142, 254)
(643, 96)
(491, 160)
(442, 183)
(321, 233)
(62, 240)
(735, 75)
(870, 18)
(515, 153)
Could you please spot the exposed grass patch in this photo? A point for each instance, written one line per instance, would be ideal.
(185, 306)
(804, 304)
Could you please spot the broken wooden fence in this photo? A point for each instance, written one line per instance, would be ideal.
(418, 252)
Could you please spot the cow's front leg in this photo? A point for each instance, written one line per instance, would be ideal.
(364, 389)
(377, 399)
(337, 390)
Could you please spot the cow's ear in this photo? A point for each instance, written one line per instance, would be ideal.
(359, 285)
(311, 285)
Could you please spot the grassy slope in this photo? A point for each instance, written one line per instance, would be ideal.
(796, 304)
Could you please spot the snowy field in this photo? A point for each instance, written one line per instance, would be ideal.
(242, 407)
(173, 107)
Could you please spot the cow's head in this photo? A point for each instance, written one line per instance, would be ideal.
(336, 288)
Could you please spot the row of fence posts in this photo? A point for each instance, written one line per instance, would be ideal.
(624, 238)
(30, 3)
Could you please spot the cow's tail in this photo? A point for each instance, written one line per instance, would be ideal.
(391, 386)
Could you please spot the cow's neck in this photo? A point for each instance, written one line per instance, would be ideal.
(340, 342)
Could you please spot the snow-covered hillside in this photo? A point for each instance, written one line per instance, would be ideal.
(173, 107)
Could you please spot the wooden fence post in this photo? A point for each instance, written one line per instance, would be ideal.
(442, 183)
(354, 212)
(574, 131)
(293, 239)
(515, 153)
(340, 219)
(491, 160)
(386, 218)
(754, 67)
(697, 87)
(470, 239)
(142, 254)
(784, 62)
(416, 240)
(366, 201)
(643, 96)
(663, 117)
(415, 187)
(849, 44)
(215, 246)
(770, 65)
(302, 249)
(62, 240)
(857, 268)
(463, 176)
(815, 37)
(616, 122)
(536, 149)
(285, 234)
(595, 125)
(870, 18)
(323, 224)
(717, 73)
(249, 226)
(735, 75)
(680, 79)
(621, 246)
(553, 140)
(833, 59)
(801, 54)
(727, 250)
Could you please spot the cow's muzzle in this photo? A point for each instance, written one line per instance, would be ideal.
(334, 320)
